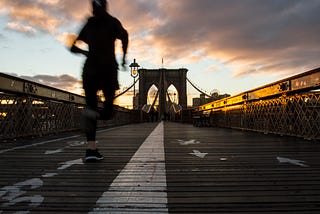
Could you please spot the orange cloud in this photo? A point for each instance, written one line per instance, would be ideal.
(35, 16)
(67, 39)
(21, 28)
(63, 82)
(247, 37)
(45, 15)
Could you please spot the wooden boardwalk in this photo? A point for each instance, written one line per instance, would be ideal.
(162, 168)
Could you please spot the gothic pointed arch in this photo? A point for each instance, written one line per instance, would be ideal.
(163, 79)
(172, 94)
(152, 95)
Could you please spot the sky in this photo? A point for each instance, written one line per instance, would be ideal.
(226, 45)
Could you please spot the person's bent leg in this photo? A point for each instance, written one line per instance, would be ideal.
(108, 111)
(89, 116)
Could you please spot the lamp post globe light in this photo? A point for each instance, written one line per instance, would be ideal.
(134, 73)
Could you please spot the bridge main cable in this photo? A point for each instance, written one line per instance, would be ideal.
(195, 87)
(125, 91)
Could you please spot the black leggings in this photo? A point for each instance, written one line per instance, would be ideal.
(106, 112)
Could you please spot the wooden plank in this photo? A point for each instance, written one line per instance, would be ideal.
(239, 174)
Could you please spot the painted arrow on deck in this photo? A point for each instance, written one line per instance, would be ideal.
(71, 163)
(198, 154)
(292, 161)
(188, 142)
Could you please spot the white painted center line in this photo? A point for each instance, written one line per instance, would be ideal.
(141, 186)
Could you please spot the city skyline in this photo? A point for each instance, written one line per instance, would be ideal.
(232, 46)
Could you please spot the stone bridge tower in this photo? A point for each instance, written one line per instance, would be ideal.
(163, 79)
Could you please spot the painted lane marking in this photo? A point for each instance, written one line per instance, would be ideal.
(188, 142)
(70, 144)
(14, 194)
(141, 186)
(75, 143)
(37, 144)
(51, 152)
(17, 193)
(49, 175)
(198, 154)
(292, 161)
(109, 129)
(49, 141)
(68, 164)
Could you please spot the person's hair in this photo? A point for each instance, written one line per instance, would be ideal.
(100, 3)
(99, 7)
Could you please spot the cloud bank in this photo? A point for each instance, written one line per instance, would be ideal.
(247, 37)
(63, 82)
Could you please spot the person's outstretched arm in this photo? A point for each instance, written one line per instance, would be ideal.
(125, 41)
(83, 36)
(77, 50)
(122, 34)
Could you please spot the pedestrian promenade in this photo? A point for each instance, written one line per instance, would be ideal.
(162, 168)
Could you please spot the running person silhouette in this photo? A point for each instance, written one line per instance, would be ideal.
(100, 71)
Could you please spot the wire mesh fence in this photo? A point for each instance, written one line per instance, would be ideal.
(295, 115)
(32, 109)
(287, 107)
(24, 115)
(28, 116)
(291, 115)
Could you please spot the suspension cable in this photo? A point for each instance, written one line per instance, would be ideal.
(125, 91)
(195, 87)
(191, 83)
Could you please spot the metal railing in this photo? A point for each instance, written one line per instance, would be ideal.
(31, 109)
(287, 107)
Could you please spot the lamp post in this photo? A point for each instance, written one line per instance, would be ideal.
(134, 73)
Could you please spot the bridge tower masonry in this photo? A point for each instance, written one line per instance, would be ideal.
(163, 78)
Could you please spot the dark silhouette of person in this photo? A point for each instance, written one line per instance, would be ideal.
(100, 71)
